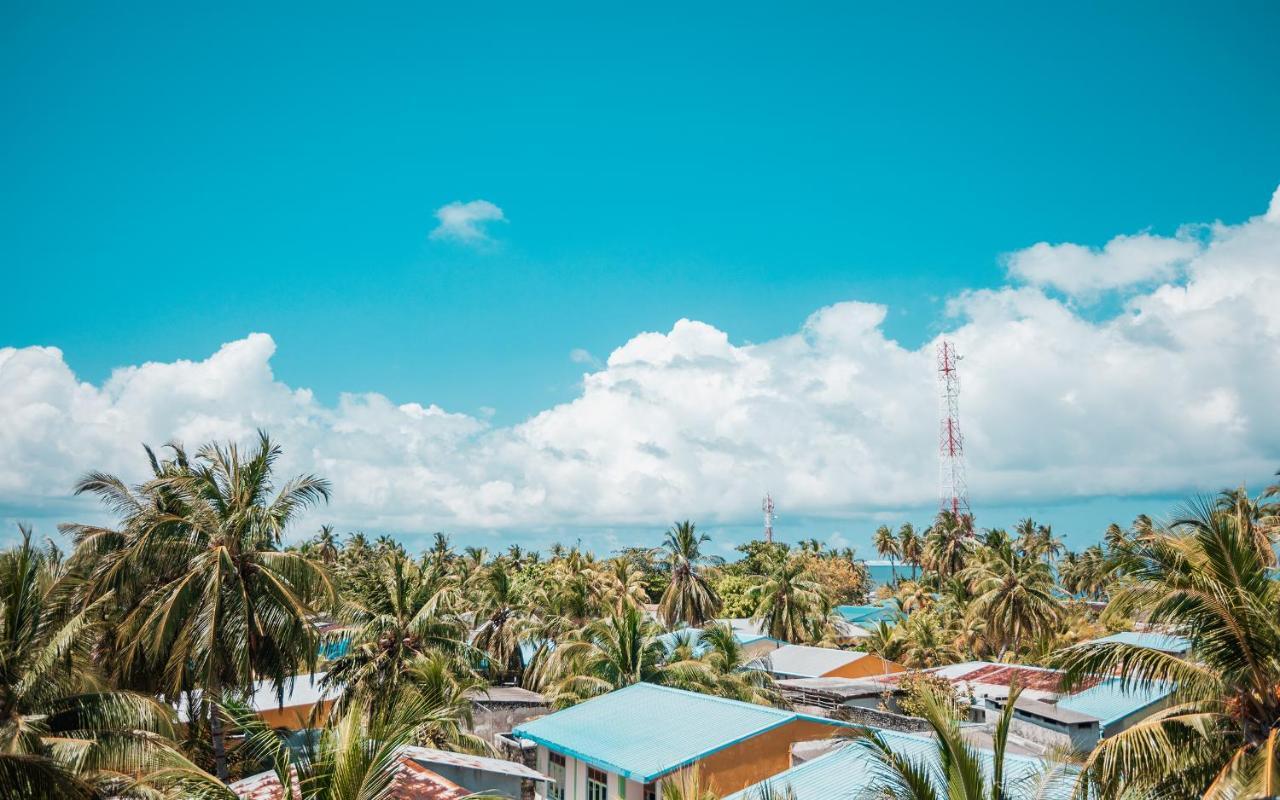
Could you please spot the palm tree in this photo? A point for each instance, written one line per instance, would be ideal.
(622, 584)
(503, 622)
(928, 641)
(789, 603)
(725, 670)
(948, 543)
(910, 545)
(238, 607)
(356, 756)
(690, 598)
(326, 545)
(608, 654)
(1205, 577)
(955, 770)
(407, 614)
(63, 734)
(1013, 594)
(887, 545)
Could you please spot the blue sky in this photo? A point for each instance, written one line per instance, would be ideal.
(177, 178)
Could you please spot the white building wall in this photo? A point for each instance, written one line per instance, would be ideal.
(575, 783)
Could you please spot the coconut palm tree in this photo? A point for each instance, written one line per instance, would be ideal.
(911, 546)
(928, 641)
(726, 673)
(356, 756)
(233, 607)
(1014, 596)
(503, 622)
(622, 584)
(948, 543)
(789, 603)
(955, 770)
(407, 614)
(63, 732)
(690, 598)
(1205, 577)
(607, 654)
(325, 545)
(887, 545)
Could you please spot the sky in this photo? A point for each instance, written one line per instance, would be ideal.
(559, 271)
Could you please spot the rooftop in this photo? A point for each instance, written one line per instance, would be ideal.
(849, 773)
(802, 661)
(869, 614)
(645, 731)
(412, 781)
(1164, 642)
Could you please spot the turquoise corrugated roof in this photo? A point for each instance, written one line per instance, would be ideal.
(1156, 641)
(868, 614)
(670, 640)
(850, 773)
(644, 731)
(1108, 702)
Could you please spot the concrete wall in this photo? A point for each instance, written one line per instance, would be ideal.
(1082, 740)
(480, 781)
(491, 720)
(295, 718)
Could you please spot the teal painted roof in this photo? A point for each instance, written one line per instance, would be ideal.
(868, 614)
(670, 640)
(644, 731)
(850, 773)
(1164, 642)
(1108, 702)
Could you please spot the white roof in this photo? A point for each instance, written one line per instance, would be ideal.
(803, 661)
(427, 755)
(300, 690)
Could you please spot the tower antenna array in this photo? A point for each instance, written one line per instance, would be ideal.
(954, 490)
(767, 508)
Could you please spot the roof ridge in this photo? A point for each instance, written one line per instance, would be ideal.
(716, 698)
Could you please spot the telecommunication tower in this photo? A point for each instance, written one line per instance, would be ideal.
(767, 508)
(953, 488)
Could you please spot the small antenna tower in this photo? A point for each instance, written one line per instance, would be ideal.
(954, 489)
(767, 508)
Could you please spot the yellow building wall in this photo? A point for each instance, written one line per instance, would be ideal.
(295, 718)
(749, 762)
(868, 666)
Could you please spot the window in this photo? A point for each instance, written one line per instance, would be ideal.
(651, 791)
(555, 769)
(597, 784)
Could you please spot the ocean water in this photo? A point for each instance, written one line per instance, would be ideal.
(883, 572)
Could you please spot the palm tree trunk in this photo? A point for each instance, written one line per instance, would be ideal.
(218, 735)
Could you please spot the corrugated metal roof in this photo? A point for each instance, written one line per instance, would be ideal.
(802, 661)
(644, 731)
(694, 635)
(1109, 702)
(850, 773)
(412, 781)
(501, 766)
(1164, 642)
(869, 614)
(300, 690)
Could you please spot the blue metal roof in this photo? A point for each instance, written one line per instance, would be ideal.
(670, 640)
(869, 614)
(1165, 642)
(851, 773)
(645, 731)
(1109, 703)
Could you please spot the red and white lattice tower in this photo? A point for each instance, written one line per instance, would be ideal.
(953, 489)
(767, 507)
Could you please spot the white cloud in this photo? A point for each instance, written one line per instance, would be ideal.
(466, 222)
(1085, 271)
(580, 355)
(1177, 391)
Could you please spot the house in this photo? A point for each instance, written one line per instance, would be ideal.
(753, 644)
(868, 616)
(802, 661)
(425, 774)
(1164, 642)
(291, 710)
(626, 743)
(1099, 707)
(848, 772)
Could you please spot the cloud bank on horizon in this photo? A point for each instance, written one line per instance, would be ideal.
(1175, 391)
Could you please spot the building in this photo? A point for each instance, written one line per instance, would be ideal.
(753, 644)
(848, 772)
(868, 616)
(626, 743)
(426, 774)
(1099, 707)
(1164, 642)
(802, 661)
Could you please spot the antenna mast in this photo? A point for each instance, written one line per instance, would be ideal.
(767, 508)
(954, 489)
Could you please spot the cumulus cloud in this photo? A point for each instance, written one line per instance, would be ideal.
(1086, 271)
(466, 222)
(1175, 391)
